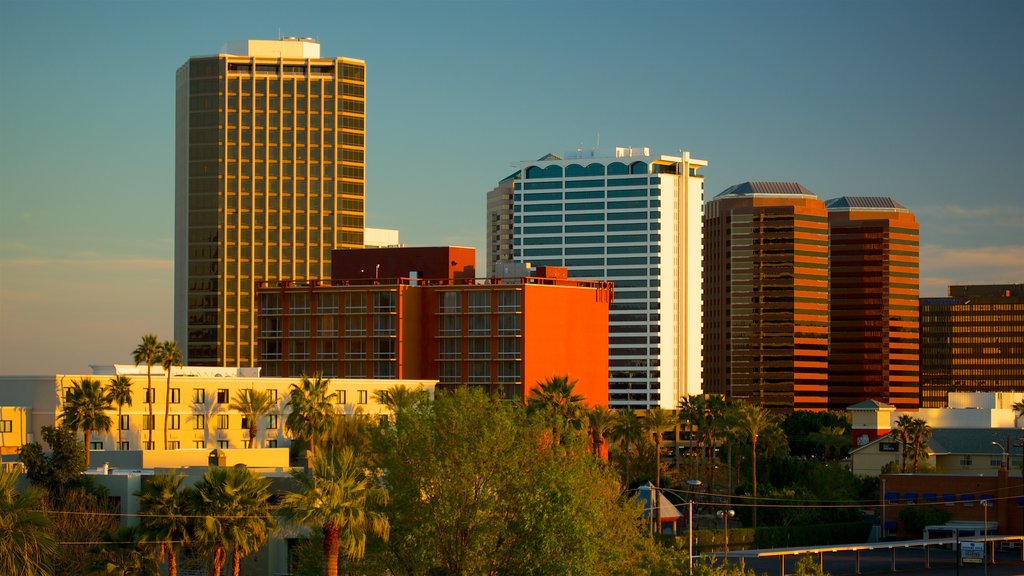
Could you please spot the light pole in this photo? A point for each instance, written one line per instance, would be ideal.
(881, 525)
(693, 486)
(1006, 455)
(725, 515)
(985, 503)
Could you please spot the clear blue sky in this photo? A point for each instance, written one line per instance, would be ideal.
(922, 101)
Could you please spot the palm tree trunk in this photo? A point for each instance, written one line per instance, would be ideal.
(167, 405)
(149, 401)
(236, 563)
(252, 434)
(753, 450)
(86, 432)
(331, 546)
(172, 562)
(119, 427)
(218, 560)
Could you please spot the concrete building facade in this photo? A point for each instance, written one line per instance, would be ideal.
(633, 219)
(420, 313)
(269, 179)
(766, 296)
(972, 341)
(873, 303)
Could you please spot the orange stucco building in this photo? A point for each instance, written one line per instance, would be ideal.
(420, 313)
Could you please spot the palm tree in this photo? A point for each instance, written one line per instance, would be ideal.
(629, 431)
(336, 497)
(656, 422)
(601, 422)
(400, 398)
(901, 432)
(26, 544)
(119, 389)
(920, 432)
(253, 405)
(122, 554)
(706, 418)
(235, 510)
(163, 516)
(311, 410)
(750, 421)
(557, 400)
(85, 408)
(170, 356)
(147, 351)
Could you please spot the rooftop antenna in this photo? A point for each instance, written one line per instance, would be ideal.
(593, 151)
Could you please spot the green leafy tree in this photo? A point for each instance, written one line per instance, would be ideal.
(253, 404)
(164, 516)
(401, 398)
(336, 497)
(235, 510)
(475, 491)
(82, 516)
(312, 413)
(85, 408)
(147, 352)
(808, 565)
(119, 390)
(916, 518)
(26, 546)
(60, 469)
(169, 356)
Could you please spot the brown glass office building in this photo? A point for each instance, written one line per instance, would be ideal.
(972, 341)
(873, 296)
(269, 179)
(766, 296)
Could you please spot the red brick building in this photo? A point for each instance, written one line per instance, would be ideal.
(420, 313)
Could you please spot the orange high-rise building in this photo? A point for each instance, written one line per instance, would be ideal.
(873, 303)
(766, 296)
(420, 313)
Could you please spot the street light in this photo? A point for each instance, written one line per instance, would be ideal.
(1006, 454)
(725, 515)
(689, 505)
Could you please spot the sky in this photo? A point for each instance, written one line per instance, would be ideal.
(922, 101)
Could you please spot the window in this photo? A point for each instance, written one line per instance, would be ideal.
(175, 396)
(149, 445)
(363, 396)
(223, 444)
(223, 422)
(480, 325)
(271, 443)
(966, 460)
(449, 302)
(199, 395)
(340, 396)
(148, 422)
(384, 301)
(95, 445)
(173, 445)
(199, 444)
(150, 397)
(174, 422)
(223, 397)
(199, 422)
(247, 443)
(273, 394)
(272, 422)
(245, 422)
(6, 425)
(123, 446)
(480, 301)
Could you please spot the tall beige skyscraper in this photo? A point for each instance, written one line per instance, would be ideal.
(269, 178)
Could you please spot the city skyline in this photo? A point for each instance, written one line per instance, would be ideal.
(912, 100)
